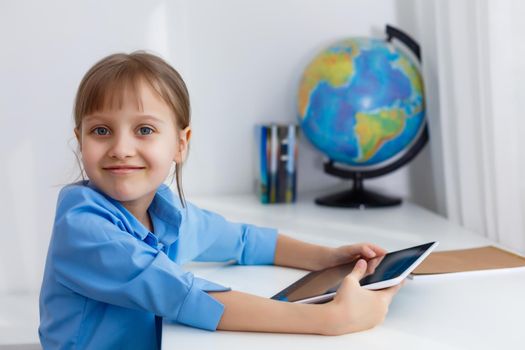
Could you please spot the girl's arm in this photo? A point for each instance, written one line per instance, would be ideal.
(353, 309)
(291, 252)
(246, 312)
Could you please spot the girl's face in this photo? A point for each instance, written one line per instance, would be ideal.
(128, 153)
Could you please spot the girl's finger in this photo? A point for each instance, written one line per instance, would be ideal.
(377, 249)
(359, 270)
(391, 291)
(362, 249)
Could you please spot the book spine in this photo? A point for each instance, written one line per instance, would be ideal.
(263, 164)
(268, 161)
(273, 163)
(282, 176)
(291, 172)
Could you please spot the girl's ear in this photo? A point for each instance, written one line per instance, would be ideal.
(79, 139)
(183, 145)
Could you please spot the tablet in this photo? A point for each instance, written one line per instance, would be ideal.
(386, 271)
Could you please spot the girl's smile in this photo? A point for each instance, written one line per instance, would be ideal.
(123, 169)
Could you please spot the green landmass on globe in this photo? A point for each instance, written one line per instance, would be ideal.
(361, 102)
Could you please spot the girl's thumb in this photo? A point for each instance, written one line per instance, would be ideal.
(359, 270)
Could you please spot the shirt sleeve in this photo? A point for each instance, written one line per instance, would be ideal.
(92, 256)
(221, 240)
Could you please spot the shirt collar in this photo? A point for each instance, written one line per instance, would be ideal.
(162, 207)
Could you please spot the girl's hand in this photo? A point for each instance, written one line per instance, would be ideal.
(355, 308)
(348, 253)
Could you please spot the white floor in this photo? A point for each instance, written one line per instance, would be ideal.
(19, 321)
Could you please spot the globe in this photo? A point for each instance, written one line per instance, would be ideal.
(361, 103)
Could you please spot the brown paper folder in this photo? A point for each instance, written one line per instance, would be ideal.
(484, 258)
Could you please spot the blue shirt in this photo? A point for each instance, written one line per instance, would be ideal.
(108, 279)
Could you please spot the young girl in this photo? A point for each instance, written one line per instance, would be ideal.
(113, 269)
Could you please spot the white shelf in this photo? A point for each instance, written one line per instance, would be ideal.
(393, 228)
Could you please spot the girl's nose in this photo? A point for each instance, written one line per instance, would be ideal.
(123, 146)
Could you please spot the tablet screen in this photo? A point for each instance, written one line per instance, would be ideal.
(327, 281)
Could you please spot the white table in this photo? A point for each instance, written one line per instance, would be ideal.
(472, 311)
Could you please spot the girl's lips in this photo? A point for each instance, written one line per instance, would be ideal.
(123, 170)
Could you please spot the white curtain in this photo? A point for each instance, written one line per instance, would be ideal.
(474, 67)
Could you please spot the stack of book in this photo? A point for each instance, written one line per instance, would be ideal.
(277, 163)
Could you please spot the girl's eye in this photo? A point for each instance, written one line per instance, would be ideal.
(145, 130)
(101, 131)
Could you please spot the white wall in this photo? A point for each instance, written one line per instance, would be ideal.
(245, 60)
(242, 61)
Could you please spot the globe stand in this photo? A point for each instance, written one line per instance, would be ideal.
(357, 197)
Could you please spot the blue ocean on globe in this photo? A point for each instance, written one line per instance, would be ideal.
(361, 102)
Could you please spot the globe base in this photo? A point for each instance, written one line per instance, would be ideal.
(359, 199)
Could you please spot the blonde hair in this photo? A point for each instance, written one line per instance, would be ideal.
(104, 86)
